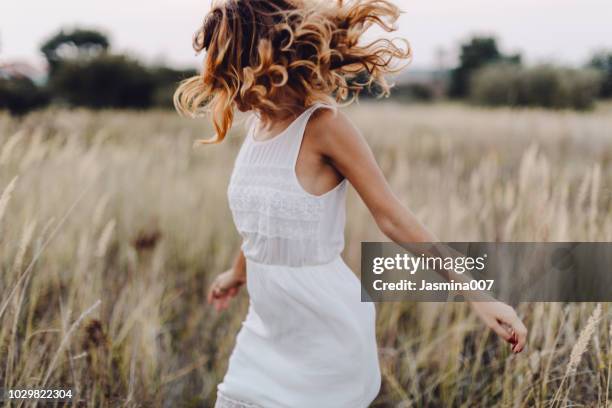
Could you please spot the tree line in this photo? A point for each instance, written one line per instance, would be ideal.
(83, 71)
(485, 75)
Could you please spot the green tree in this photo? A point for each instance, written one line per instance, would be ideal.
(71, 45)
(602, 62)
(475, 54)
(103, 82)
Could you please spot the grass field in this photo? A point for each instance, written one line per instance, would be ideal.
(112, 225)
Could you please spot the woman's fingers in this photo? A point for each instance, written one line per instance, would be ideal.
(221, 301)
(518, 332)
(521, 334)
(500, 330)
(210, 295)
(220, 296)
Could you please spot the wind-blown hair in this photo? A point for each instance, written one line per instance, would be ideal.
(262, 53)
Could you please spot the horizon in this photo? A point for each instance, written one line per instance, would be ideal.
(565, 32)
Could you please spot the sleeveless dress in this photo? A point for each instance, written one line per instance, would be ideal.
(307, 340)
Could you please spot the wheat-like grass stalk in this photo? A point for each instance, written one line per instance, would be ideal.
(583, 341)
(594, 199)
(26, 237)
(105, 238)
(20, 297)
(66, 338)
(40, 251)
(579, 348)
(609, 366)
(6, 196)
(8, 147)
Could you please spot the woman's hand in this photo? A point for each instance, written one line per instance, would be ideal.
(504, 321)
(224, 288)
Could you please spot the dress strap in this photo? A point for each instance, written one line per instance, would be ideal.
(300, 128)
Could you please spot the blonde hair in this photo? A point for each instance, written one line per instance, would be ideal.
(262, 53)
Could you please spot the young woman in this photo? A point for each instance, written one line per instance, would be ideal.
(307, 341)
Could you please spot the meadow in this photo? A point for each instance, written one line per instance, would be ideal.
(112, 225)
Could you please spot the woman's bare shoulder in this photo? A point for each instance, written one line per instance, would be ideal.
(332, 124)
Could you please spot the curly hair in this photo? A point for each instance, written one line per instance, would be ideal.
(261, 54)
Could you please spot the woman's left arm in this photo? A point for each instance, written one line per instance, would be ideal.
(340, 142)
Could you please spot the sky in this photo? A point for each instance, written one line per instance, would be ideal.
(560, 31)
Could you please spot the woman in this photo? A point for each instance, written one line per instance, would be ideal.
(307, 341)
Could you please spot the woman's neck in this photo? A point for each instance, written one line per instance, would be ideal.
(288, 107)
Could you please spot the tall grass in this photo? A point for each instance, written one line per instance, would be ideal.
(111, 227)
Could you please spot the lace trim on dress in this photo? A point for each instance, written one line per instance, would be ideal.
(223, 401)
(274, 204)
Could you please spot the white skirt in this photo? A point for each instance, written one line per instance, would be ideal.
(307, 341)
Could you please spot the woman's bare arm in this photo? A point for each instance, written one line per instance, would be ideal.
(239, 266)
(339, 141)
(350, 154)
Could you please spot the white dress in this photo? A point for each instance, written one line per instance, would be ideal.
(307, 341)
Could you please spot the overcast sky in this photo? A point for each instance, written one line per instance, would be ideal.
(564, 31)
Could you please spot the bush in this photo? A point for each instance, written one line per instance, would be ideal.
(166, 81)
(107, 81)
(496, 85)
(603, 63)
(21, 95)
(544, 86)
(414, 92)
(475, 54)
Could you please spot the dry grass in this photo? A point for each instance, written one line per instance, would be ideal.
(118, 207)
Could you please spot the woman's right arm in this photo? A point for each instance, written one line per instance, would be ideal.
(340, 142)
(227, 284)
